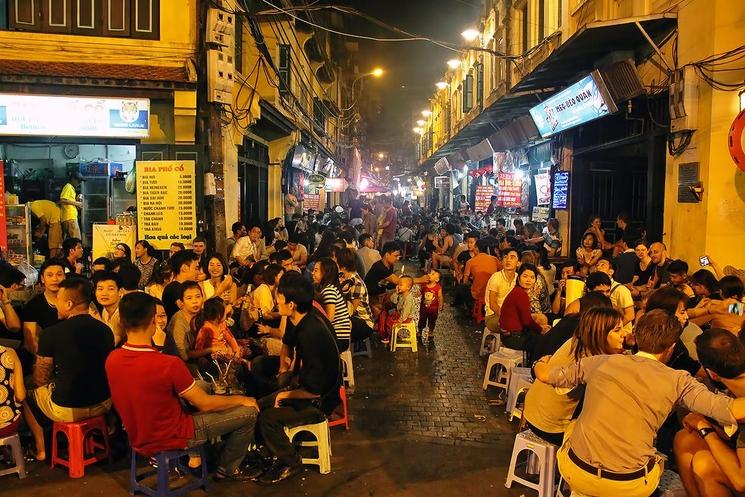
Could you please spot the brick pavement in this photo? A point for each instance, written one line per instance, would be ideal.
(421, 426)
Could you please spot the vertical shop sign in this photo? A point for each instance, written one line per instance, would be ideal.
(166, 202)
(561, 190)
(3, 218)
(510, 190)
(483, 197)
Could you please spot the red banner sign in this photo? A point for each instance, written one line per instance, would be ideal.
(3, 218)
(510, 190)
(483, 197)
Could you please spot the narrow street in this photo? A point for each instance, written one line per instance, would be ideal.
(420, 426)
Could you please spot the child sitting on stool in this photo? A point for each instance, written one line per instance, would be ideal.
(404, 313)
(432, 304)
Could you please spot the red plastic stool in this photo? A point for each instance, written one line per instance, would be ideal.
(81, 450)
(345, 419)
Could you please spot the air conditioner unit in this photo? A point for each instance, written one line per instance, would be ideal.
(622, 81)
(220, 27)
(220, 69)
(684, 100)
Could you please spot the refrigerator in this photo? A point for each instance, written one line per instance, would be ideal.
(104, 196)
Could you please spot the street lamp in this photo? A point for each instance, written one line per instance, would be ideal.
(421, 122)
(376, 73)
(381, 155)
(426, 113)
(441, 85)
(453, 63)
(418, 130)
(470, 34)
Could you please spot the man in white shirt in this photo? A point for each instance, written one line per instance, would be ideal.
(244, 250)
(620, 296)
(367, 253)
(499, 285)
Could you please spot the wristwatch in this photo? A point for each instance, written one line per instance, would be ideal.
(705, 431)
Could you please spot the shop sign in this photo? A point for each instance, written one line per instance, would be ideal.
(335, 184)
(316, 179)
(442, 181)
(543, 189)
(107, 236)
(3, 218)
(584, 101)
(166, 202)
(483, 197)
(510, 190)
(561, 189)
(74, 116)
(540, 214)
(311, 201)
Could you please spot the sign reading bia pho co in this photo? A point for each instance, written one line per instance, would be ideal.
(36, 115)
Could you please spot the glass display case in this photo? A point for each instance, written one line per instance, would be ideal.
(19, 234)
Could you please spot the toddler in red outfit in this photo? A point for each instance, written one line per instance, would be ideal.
(432, 304)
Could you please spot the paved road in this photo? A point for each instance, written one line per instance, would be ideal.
(421, 426)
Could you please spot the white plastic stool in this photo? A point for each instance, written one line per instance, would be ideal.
(546, 455)
(323, 442)
(520, 382)
(363, 347)
(14, 442)
(495, 345)
(348, 369)
(505, 359)
(409, 342)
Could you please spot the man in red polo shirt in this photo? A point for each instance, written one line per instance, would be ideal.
(146, 388)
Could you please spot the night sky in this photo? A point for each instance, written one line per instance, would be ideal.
(413, 65)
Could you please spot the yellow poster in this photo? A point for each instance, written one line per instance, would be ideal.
(166, 202)
(107, 236)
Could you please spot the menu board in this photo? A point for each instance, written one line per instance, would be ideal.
(107, 236)
(510, 190)
(311, 201)
(166, 202)
(483, 197)
(543, 188)
(561, 189)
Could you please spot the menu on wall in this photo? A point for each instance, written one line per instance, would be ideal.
(510, 190)
(166, 202)
(483, 197)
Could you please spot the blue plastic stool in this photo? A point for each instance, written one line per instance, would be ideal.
(164, 460)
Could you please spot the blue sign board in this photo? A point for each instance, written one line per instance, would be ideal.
(585, 100)
(561, 190)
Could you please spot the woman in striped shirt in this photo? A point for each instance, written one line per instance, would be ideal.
(326, 278)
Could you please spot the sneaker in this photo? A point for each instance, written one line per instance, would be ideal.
(279, 472)
(240, 475)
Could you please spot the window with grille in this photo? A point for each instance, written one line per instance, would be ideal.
(468, 92)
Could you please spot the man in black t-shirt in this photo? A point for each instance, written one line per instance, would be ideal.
(318, 374)
(185, 266)
(355, 208)
(40, 312)
(70, 371)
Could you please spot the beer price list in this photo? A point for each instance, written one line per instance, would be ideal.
(166, 202)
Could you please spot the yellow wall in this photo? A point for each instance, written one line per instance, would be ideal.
(178, 41)
(715, 225)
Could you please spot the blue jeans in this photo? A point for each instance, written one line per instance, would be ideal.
(235, 426)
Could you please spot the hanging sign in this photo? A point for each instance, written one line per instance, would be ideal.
(483, 197)
(510, 190)
(543, 189)
(561, 189)
(311, 201)
(335, 185)
(442, 181)
(107, 236)
(584, 101)
(38, 115)
(166, 202)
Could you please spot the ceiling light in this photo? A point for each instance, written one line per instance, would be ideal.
(453, 63)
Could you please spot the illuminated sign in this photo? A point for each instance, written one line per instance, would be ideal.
(442, 181)
(36, 115)
(584, 101)
(561, 190)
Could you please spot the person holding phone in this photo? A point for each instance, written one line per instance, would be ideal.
(727, 313)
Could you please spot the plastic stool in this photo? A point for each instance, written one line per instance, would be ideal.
(164, 461)
(81, 447)
(546, 454)
(363, 347)
(520, 382)
(323, 442)
(409, 342)
(495, 345)
(347, 368)
(345, 419)
(14, 441)
(505, 360)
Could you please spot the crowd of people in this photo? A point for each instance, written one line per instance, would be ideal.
(243, 343)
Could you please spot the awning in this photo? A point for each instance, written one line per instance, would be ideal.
(273, 124)
(579, 54)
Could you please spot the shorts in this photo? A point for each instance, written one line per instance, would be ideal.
(71, 228)
(42, 398)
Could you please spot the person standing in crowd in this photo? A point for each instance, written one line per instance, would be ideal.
(387, 227)
(145, 262)
(430, 307)
(69, 205)
(326, 277)
(48, 215)
(239, 230)
(492, 206)
(291, 204)
(70, 380)
(185, 266)
(317, 369)
(369, 221)
(354, 209)
(148, 387)
(40, 312)
(601, 456)
(72, 251)
(499, 285)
